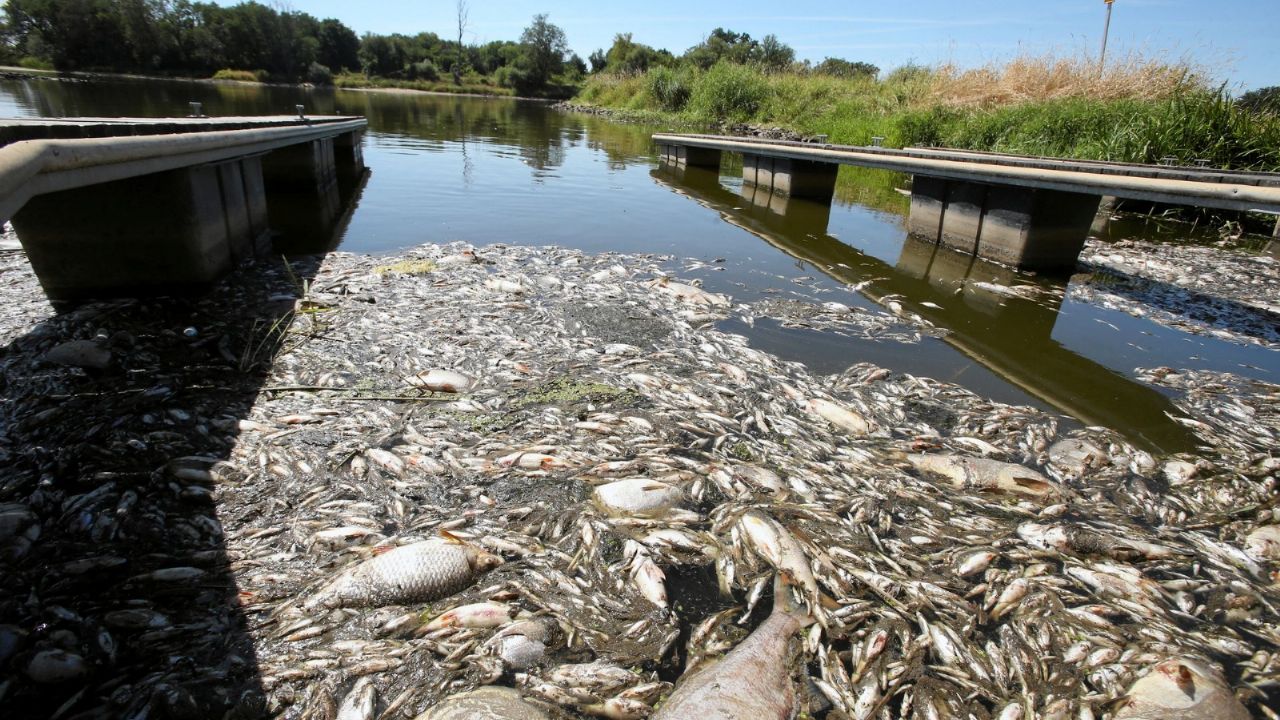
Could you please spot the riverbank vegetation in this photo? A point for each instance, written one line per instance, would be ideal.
(1135, 109)
(253, 42)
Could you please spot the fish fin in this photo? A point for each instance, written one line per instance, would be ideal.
(452, 538)
(784, 600)
(383, 549)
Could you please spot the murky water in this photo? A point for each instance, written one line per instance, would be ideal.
(486, 171)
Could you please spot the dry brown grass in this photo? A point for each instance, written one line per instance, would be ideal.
(1037, 78)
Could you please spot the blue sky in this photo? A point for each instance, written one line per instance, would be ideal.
(1234, 39)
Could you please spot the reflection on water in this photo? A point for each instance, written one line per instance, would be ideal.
(494, 170)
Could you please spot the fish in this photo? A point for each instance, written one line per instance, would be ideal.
(754, 680)
(781, 550)
(438, 380)
(359, 702)
(986, 474)
(842, 417)
(640, 497)
(475, 615)
(1181, 689)
(418, 572)
(486, 703)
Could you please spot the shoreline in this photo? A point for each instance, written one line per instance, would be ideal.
(88, 76)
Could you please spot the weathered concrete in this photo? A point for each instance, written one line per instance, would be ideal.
(162, 213)
(793, 178)
(1025, 228)
(161, 233)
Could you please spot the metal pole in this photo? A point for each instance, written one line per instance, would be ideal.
(1102, 58)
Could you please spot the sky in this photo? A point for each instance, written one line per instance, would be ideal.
(1235, 40)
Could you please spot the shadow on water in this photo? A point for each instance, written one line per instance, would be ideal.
(117, 591)
(1011, 336)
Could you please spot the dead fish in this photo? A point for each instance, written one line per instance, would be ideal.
(359, 703)
(640, 497)
(521, 645)
(688, 293)
(1181, 689)
(437, 380)
(754, 680)
(840, 416)
(781, 549)
(1083, 540)
(475, 615)
(418, 572)
(486, 703)
(985, 474)
(1264, 543)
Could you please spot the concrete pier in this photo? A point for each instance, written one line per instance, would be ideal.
(1026, 228)
(174, 231)
(175, 208)
(791, 178)
(1027, 212)
(686, 156)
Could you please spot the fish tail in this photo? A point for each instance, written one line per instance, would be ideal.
(784, 600)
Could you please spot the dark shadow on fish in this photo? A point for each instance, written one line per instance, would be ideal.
(1008, 334)
(117, 591)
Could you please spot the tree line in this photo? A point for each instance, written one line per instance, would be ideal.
(202, 38)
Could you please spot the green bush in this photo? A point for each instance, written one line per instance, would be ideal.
(35, 63)
(318, 74)
(671, 88)
(424, 70)
(729, 91)
(241, 75)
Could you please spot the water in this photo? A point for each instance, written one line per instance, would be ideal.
(486, 170)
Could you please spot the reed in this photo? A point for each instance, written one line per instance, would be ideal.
(1138, 109)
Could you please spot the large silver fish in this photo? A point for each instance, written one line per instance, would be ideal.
(486, 703)
(754, 680)
(1181, 689)
(419, 572)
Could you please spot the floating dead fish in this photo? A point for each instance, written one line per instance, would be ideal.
(754, 680)
(442, 381)
(80, 353)
(638, 497)
(419, 572)
(1181, 689)
(986, 474)
(486, 703)
(842, 417)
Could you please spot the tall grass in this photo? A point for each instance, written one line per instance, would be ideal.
(1136, 110)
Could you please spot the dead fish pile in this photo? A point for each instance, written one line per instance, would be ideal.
(538, 486)
(840, 319)
(1225, 294)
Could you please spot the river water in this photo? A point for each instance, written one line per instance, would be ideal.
(485, 171)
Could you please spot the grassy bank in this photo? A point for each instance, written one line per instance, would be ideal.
(1137, 111)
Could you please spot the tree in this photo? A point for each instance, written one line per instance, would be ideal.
(627, 56)
(837, 67)
(772, 54)
(339, 46)
(463, 13)
(1265, 99)
(598, 60)
(545, 48)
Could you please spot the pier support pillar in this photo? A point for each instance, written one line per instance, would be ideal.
(1029, 229)
(685, 156)
(172, 232)
(348, 150)
(302, 194)
(792, 178)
